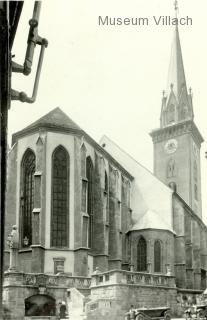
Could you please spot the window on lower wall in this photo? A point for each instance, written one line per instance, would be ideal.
(89, 175)
(60, 198)
(142, 255)
(84, 195)
(27, 196)
(58, 265)
(157, 256)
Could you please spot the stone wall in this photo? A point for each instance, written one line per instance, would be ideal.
(19, 286)
(190, 247)
(114, 301)
(113, 292)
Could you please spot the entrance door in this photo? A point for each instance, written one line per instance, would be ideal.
(203, 279)
(40, 305)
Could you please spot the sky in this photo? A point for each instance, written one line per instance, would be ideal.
(109, 79)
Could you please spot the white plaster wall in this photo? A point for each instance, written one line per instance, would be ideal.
(53, 141)
(49, 262)
(147, 191)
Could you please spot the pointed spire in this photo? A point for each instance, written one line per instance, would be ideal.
(177, 103)
(176, 73)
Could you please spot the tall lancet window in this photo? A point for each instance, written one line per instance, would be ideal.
(171, 168)
(195, 171)
(171, 113)
(157, 256)
(106, 186)
(27, 196)
(89, 176)
(142, 255)
(183, 112)
(84, 180)
(195, 191)
(106, 197)
(60, 198)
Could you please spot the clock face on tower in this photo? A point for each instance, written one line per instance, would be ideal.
(171, 146)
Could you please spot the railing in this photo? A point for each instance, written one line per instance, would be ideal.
(105, 278)
(46, 280)
(132, 278)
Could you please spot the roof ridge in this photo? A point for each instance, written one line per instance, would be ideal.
(56, 117)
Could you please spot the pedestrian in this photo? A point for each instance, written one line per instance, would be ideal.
(132, 312)
(63, 310)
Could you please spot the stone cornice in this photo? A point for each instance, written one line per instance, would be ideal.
(178, 129)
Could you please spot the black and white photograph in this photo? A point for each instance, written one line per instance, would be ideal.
(103, 160)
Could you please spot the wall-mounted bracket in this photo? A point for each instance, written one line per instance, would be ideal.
(33, 40)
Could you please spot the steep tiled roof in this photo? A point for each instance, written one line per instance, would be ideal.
(151, 220)
(55, 119)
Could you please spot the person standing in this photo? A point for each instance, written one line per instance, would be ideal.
(63, 310)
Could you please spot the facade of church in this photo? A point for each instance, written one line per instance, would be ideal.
(86, 211)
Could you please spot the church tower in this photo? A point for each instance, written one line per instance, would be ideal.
(177, 142)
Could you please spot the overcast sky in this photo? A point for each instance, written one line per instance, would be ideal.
(109, 80)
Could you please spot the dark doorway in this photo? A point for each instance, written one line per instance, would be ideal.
(203, 279)
(40, 305)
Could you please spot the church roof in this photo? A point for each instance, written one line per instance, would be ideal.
(150, 220)
(55, 119)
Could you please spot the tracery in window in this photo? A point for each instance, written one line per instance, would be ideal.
(157, 256)
(84, 186)
(171, 113)
(60, 198)
(27, 196)
(171, 168)
(105, 182)
(142, 255)
(195, 171)
(196, 191)
(89, 176)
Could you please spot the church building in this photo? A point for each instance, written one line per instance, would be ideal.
(95, 226)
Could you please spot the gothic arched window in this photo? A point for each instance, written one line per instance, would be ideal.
(157, 256)
(60, 198)
(89, 176)
(27, 196)
(105, 182)
(142, 255)
(196, 191)
(195, 171)
(183, 112)
(171, 168)
(84, 180)
(171, 113)
(106, 197)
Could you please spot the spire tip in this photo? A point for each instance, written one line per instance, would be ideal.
(176, 7)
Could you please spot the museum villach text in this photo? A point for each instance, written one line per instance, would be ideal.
(144, 21)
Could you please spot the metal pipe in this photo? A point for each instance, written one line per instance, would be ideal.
(22, 96)
(32, 38)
